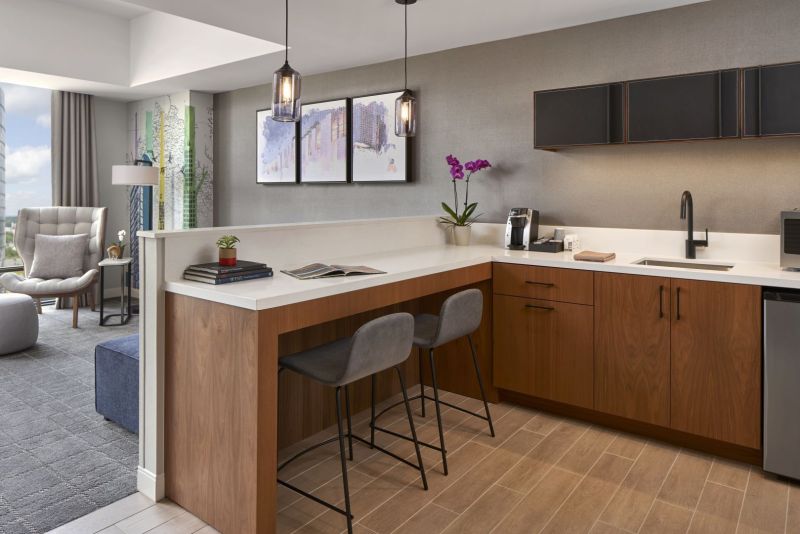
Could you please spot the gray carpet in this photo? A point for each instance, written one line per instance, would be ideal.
(59, 459)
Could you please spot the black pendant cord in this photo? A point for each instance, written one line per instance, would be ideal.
(286, 34)
(405, 56)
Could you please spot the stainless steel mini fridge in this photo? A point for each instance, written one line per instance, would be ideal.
(782, 382)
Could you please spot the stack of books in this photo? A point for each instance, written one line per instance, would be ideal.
(216, 274)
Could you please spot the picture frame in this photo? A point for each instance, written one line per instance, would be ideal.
(324, 142)
(377, 154)
(276, 150)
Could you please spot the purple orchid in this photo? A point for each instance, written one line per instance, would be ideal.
(457, 173)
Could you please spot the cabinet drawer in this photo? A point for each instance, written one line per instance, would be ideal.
(547, 283)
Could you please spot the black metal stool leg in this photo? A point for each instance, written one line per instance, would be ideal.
(349, 420)
(343, 458)
(413, 428)
(480, 383)
(421, 384)
(372, 414)
(438, 410)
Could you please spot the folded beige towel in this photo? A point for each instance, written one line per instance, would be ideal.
(588, 255)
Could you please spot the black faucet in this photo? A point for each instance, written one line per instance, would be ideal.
(691, 242)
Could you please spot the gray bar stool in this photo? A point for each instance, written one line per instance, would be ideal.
(380, 344)
(459, 317)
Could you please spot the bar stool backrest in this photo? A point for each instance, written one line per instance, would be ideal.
(460, 316)
(378, 345)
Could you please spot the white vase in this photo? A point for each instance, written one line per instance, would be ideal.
(461, 235)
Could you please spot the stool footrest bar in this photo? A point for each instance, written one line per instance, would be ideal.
(314, 497)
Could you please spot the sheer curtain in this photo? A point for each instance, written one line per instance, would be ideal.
(74, 150)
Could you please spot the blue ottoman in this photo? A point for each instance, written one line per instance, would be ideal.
(116, 381)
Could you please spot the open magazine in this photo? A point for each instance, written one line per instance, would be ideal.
(320, 270)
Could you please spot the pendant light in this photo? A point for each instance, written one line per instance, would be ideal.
(286, 86)
(405, 107)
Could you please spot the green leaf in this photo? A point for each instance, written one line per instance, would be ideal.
(449, 211)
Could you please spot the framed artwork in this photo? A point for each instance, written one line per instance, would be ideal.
(378, 155)
(324, 142)
(276, 161)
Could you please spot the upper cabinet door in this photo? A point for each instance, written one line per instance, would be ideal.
(578, 116)
(679, 108)
(771, 96)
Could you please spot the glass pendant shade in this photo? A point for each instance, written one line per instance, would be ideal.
(405, 115)
(286, 94)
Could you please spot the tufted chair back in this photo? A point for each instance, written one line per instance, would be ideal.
(61, 221)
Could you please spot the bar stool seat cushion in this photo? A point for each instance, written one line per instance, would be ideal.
(324, 364)
(426, 326)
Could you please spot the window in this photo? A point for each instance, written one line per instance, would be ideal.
(25, 178)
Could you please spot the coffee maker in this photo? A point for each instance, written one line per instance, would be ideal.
(522, 228)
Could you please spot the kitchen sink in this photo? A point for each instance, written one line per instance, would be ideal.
(684, 264)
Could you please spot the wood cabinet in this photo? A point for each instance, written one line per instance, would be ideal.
(632, 347)
(677, 108)
(716, 361)
(770, 100)
(591, 115)
(544, 348)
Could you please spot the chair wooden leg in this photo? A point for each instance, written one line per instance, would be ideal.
(91, 299)
(75, 301)
(39, 306)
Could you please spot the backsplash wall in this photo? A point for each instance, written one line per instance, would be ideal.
(476, 102)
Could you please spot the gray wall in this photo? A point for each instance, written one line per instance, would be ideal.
(111, 120)
(476, 102)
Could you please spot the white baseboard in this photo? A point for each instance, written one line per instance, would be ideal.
(150, 484)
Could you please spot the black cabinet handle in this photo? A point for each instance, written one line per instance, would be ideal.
(543, 284)
(660, 302)
(547, 308)
(678, 304)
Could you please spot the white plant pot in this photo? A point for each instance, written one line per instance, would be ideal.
(461, 235)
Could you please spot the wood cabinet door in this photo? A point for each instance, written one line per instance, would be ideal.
(716, 361)
(562, 351)
(632, 347)
(511, 356)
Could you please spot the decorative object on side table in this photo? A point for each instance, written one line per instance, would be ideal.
(227, 250)
(461, 222)
(117, 250)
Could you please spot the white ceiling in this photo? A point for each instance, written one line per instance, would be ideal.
(327, 35)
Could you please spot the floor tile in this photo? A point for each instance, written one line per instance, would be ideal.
(717, 511)
(686, 479)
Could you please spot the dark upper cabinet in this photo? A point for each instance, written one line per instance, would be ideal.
(771, 97)
(677, 108)
(591, 115)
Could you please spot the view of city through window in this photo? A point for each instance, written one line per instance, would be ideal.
(24, 159)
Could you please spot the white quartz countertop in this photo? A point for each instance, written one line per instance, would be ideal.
(405, 264)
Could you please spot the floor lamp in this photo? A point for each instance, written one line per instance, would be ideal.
(141, 173)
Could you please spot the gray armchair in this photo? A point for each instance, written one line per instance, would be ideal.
(58, 221)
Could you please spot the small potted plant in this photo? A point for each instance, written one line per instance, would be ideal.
(117, 250)
(461, 221)
(227, 250)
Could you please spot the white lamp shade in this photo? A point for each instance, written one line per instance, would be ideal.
(134, 175)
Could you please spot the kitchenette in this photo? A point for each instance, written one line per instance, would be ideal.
(649, 342)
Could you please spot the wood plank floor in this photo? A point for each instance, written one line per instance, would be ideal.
(541, 473)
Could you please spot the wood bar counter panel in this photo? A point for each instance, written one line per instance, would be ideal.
(221, 400)
(217, 395)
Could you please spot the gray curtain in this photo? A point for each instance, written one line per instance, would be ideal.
(74, 155)
(74, 150)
